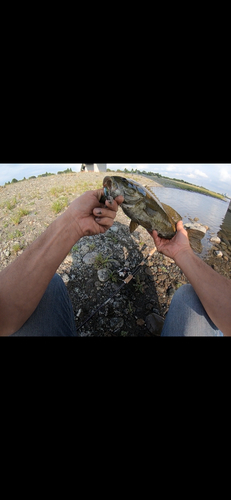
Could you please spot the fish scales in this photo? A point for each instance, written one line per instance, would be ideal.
(142, 206)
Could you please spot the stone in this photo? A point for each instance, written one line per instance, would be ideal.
(65, 278)
(84, 249)
(218, 254)
(154, 323)
(103, 275)
(215, 239)
(116, 324)
(89, 258)
(140, 322)
(114, 228)
(195, 227)
(148, 271)
(6, 253)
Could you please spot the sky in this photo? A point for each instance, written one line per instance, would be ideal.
(214, 176)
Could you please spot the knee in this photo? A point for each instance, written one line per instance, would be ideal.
(186, 298)
(185, 295)
(56, 283)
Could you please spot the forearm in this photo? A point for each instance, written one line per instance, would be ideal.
(24, 282)
(213, 290)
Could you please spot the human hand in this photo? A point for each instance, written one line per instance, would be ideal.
(176, 246)
(92, 217)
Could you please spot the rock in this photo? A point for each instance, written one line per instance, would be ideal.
(103, 275)
(218, 254)
(65, 278)
(170, 292)
(196, 219)
(6, 253)
(154, 323)
(215, 239)
(84, 249)
(148, 271)
(116, 324)
(140, 322)
(195, 227)
(89, 258)
(114, 228)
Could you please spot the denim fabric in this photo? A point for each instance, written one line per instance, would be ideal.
(187, 317)
(54, 315)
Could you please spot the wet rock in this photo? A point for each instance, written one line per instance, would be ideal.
(218, 254)
(154, 323)
(196, 227)
(215, 239)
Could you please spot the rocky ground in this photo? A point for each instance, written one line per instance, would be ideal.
(96, 267)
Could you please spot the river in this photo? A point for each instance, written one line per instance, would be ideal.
(210, 211)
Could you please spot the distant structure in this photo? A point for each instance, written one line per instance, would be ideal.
(94, 167)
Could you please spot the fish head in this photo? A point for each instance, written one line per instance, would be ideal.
(129, 189)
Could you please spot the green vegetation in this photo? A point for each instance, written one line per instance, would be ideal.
(16, 248)
(67, 171)
(47, 174)
(60, 204)
(100, 261)
(16, 217)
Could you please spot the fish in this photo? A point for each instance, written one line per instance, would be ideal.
(142, 206)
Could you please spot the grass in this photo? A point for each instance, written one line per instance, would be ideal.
(16, 248)
(16, 234)
(100, 261)
(168, 182)
(60, 204)
(16, 218)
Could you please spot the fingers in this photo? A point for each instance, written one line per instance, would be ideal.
(106, 216)
(180, 225)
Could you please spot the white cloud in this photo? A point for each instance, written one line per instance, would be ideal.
(225, 174)
(199, 173)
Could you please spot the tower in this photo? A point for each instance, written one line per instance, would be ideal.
(94, 167)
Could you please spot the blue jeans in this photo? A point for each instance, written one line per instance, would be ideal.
(187, 317)
(54, 315)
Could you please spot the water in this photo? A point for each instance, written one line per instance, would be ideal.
(210, 211)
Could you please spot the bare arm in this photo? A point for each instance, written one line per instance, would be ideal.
(213, 290)
(23, 283)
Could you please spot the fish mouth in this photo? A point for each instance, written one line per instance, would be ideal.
(112, 188)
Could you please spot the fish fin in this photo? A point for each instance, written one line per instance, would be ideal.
(133, 226)
(174, 216)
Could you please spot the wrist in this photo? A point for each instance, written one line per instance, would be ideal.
(71, 222)
(182, 256)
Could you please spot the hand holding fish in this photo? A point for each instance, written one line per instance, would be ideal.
(176, 246)
(92, 217)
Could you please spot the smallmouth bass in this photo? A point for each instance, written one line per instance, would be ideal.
(142, 206)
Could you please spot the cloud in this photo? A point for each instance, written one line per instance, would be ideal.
(199, 173)
(225, 174)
